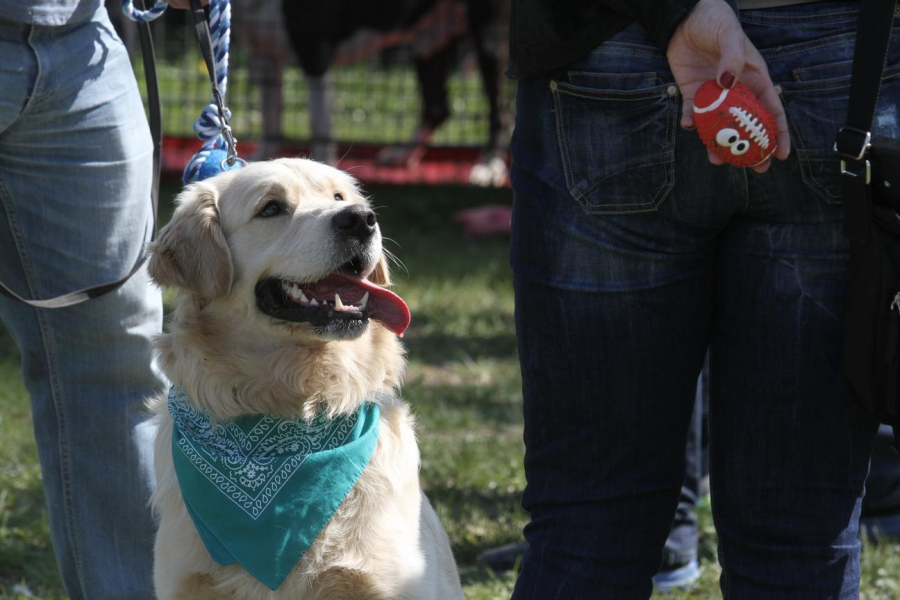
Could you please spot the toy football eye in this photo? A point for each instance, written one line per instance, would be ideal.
(728, 138)
(740, 147)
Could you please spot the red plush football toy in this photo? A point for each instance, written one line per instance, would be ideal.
(734, 125)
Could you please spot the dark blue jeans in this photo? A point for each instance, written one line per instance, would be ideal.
(632, 255)
(681, 545)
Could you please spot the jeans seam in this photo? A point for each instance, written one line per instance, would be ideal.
(49, 356)
(33, 101)
(610, 96)
(774, 19)
(796, 87)
(803, 162)
(775, 52)
(667, 159)
(617, 49)
(808, 179)
(674, 113)
(561, 138)
(648, 75)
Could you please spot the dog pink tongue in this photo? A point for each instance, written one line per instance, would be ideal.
(383, 305)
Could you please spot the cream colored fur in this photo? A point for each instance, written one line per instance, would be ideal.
(385, 542)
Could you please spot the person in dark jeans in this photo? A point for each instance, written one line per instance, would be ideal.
(632, 255)
(879, 519)
(680, 567)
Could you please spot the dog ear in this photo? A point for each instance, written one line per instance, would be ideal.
(191, 252)
(381, 275)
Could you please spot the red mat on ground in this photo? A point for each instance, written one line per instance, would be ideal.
(439, 166)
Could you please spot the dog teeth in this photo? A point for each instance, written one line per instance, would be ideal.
(293, 290)
(340, 306)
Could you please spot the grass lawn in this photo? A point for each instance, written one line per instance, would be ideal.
(462, 381)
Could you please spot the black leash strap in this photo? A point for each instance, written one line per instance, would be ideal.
(204, 40)
(86, 294)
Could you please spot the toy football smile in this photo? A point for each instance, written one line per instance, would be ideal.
(734, 125)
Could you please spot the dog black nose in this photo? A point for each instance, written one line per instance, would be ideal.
(355, 221)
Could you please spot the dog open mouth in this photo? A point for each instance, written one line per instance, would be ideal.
(343, 300)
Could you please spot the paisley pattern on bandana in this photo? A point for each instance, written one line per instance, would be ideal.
(251, 459)
(259, 489)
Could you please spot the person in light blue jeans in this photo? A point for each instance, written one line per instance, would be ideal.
(632, 255)
(75, 176)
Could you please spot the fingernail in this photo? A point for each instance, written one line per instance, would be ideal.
(726, 80)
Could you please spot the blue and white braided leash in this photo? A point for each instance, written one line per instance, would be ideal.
(143, 16)
(219, 150)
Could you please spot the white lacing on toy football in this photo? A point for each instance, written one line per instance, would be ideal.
(751, 125)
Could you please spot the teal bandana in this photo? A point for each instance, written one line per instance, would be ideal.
(261, 488)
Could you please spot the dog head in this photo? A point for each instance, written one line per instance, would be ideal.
(282, 305)
(290, 245)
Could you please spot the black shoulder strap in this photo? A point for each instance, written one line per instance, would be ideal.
(873, 34)
(86, 294)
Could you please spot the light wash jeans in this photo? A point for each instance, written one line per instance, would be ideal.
(75, 171)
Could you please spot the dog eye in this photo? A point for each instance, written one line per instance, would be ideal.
(272, 209)
(339, 197)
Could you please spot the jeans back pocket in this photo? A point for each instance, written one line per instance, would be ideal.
(616, 138)
(816, 103)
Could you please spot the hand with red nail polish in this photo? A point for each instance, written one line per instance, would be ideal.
(710, 44)
(727, 79)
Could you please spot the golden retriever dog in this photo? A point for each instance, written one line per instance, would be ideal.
(258, 256)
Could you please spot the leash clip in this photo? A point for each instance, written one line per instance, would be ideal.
(232, 156)
(226, 132)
